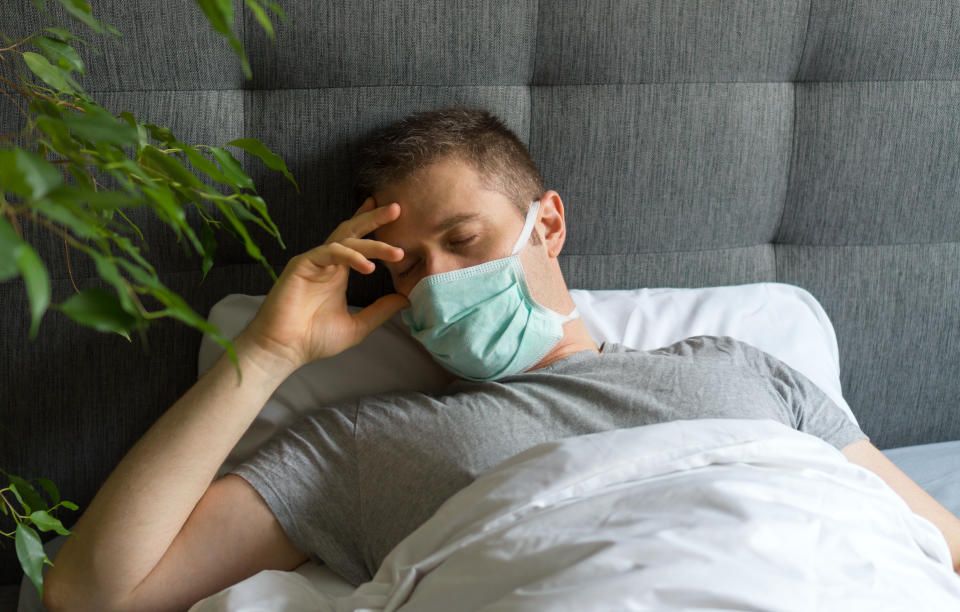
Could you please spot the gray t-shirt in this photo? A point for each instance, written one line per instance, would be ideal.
(349, 482)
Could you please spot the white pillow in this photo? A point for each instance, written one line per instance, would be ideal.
(783, 320)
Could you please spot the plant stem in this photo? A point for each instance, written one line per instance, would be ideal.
(22, 111)
(24, 41)
(66, 252)
(16, 515)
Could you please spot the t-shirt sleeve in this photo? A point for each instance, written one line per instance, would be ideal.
(813, 410)
(307, 476)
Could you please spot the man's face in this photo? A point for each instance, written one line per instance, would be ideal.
(447, 221)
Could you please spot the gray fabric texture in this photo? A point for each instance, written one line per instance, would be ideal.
(350, 481)
(165, 45)
(883, 40)
(755, 264)
(876, 163)
(635, 154)
(693, 143)
(414, 42)
(903, 305)
(664, 41)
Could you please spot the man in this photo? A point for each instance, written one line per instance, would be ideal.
(460, 217)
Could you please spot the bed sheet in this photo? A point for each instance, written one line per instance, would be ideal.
(699, 515)
(935, 467)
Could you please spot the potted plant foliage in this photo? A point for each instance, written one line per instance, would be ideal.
(77, 170)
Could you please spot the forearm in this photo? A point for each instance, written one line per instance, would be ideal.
(864, 453)
(148, 497)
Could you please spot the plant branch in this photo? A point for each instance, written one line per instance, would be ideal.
(23, 41)
(12, 216)
(146, 314)
(22, 111)
(13, 511)
(66, 252)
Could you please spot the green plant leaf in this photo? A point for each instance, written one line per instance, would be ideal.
(219, 13)
(61, 213)
(176, 307)
(27, 174)
(203, 164)
(258, 204)
(60, 53)
(9, 242)
(262, 18)
(109, 272)
(16, 493)
(69, 505)
(152, 157)
(271, 159)
(209, 242)
(97, 125)
(59, 134)
(162, 134)
(37, 282)
(54, 76)
(165, 205)
(110, 200)
(99, 309)
(80, 10)
(51, 489)
(26, 494)
(28, 264)
(45, 522)
(232, 168)
(141, 130)
(231, 214)
(273, 6)
(64, 35)
(31, 555)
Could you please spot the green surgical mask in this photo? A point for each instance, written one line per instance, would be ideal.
(481, 322)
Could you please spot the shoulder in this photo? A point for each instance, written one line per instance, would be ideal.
(712, 346)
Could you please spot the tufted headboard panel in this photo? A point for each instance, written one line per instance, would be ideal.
(693, 143)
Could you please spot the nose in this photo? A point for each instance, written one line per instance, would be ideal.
(438, 261)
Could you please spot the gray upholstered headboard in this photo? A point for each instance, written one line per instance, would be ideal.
(694, 143)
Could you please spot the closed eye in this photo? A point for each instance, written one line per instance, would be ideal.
(456, 244)
(463, 241)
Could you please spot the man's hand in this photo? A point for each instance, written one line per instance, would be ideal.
(305, 316)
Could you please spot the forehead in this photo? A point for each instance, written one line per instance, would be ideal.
(438, 197)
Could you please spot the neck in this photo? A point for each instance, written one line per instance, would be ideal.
(576, 338)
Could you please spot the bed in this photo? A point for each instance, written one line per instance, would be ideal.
(697, 145)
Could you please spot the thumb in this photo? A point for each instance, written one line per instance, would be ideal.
(376, 314)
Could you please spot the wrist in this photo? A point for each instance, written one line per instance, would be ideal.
(262, 361)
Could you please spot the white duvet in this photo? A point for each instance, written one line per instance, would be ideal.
(711, 514)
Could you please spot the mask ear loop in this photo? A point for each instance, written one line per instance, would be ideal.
(522, 241)
(527, 227)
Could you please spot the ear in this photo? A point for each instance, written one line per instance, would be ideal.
(551, 226)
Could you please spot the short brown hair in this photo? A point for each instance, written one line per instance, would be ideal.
(474, 136)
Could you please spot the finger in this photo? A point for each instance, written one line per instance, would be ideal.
(368, 204)
(376, 314)
(374, 249)
(365, 222)
(319, 259)
(344, 255)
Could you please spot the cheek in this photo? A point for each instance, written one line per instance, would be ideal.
(536, 272)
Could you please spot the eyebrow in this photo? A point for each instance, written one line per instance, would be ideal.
(453, 221)
(446, 224)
